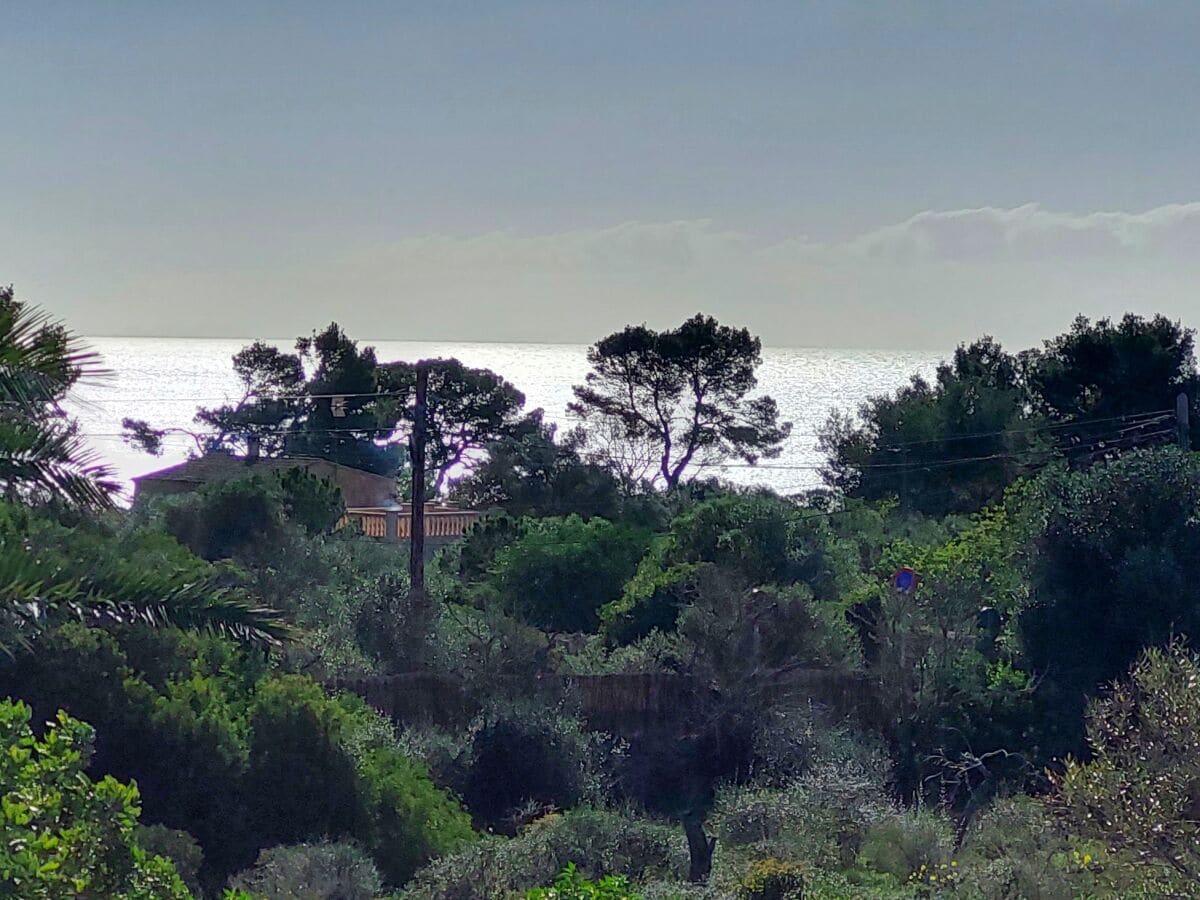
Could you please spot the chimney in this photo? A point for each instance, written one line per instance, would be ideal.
(253, 445)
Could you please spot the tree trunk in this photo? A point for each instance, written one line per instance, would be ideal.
(700, 849)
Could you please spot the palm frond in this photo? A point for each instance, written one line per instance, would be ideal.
(199, 606)
(50, 459)
(39, 359)
(30, 600)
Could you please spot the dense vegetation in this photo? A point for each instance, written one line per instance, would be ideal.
(626, 681)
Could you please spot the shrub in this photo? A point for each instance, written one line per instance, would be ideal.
(772, 879)
(303, 781)
(560, 572)
(570, 885)
(524, 759)
(315, 504)
(608, 843)
(1015, 850)
(62, 835)
(820, 818)
(243, 761)
(904, 842)
(765, 539)
(1113, 572)
(324, 871)
(230, 520)
(651, 601)
(409, 820)
(1138, 794)
(177, 846)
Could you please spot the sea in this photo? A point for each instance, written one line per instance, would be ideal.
(165, 380)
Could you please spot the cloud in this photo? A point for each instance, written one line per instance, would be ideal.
(1030, 232)
(935, 279)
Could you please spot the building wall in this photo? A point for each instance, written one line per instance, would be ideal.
(162, 488)
(358, 488)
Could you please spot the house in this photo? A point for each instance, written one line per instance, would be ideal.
(371, 500)
(359, 489)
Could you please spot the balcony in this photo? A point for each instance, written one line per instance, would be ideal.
(395, 523)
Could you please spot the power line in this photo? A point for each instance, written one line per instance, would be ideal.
(1096, 444)
(1137, 420)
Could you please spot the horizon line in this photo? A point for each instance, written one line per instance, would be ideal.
(517, 343)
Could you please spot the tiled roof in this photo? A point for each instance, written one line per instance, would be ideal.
(222, 466)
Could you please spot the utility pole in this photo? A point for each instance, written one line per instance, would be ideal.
(1182, 422)
(416, 559)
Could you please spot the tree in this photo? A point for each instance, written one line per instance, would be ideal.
(560, 571)
(1112, 570)
(742, 649)
(63, 836)
(952, 704)
(320, 870)
(272, 402)
(352, 409)
(336, 414)
(467, 409)
(41, 454)
(682, 392)
(1102, 369)
(949, 446)
(353, 430)
(528, 472)
(1139, 793)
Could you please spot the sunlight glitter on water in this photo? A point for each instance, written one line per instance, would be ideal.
(164, 380)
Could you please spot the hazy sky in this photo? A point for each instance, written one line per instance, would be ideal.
(830, 174)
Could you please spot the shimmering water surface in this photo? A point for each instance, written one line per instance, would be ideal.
(164, 380)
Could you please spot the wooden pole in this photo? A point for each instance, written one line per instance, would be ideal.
(1182, 423)
(416, 559)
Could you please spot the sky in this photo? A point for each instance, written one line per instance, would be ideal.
(894, 174)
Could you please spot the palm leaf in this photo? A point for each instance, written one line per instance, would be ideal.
(29, 601)
(39, 359)
(49, 459)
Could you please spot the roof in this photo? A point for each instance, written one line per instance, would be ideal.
(223, 466)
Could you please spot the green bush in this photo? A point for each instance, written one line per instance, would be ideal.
(570, 885)
(323, 871)
(904, 842)
(1139, 792)
(1015, 849)
(251, 519)
(304, 781)
(820, 818)
(409, 820)
(651, 600)
(62, 835)
(313, 503)
(177, 846)
(532, 759)
(611, 844)
(560, 572)
(1113, 571)
(765, 539)
(241, 519)
(772, 879)
(240, 760)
